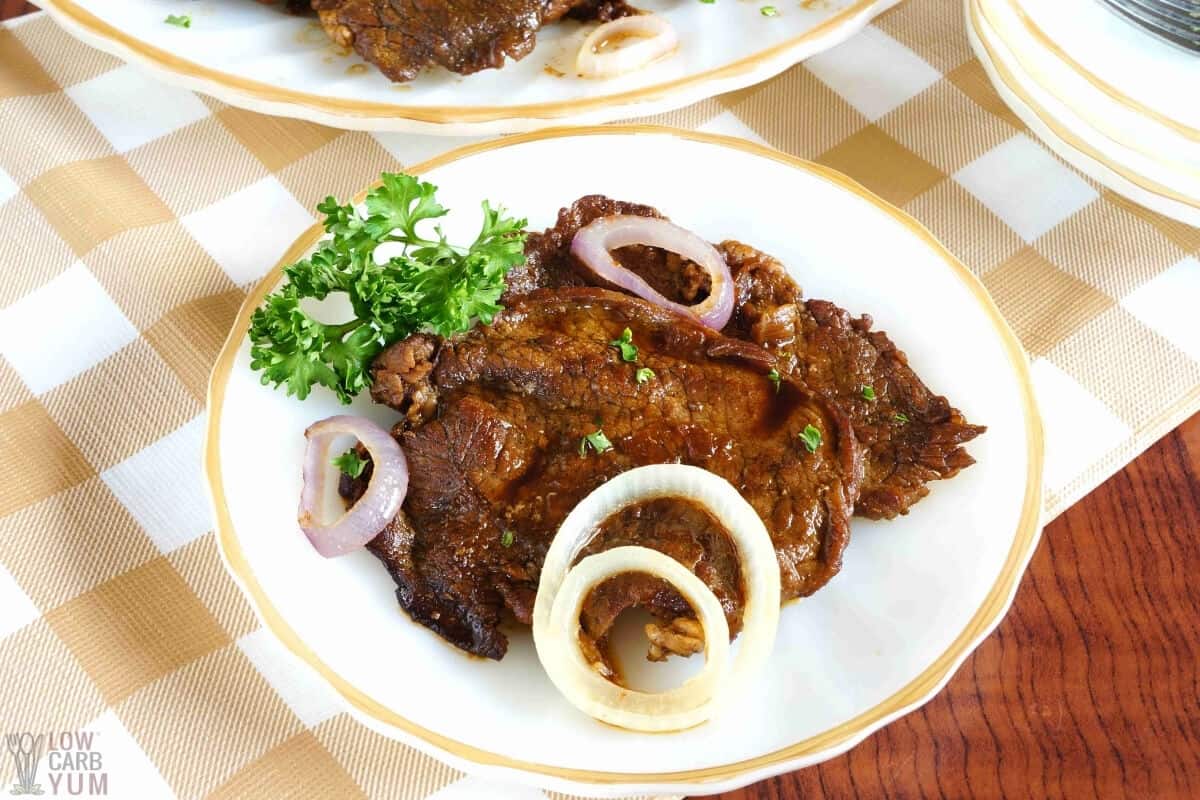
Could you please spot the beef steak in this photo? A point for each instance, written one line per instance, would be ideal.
(503, 452)
(492, 422)
(911, 435)
(403, 37)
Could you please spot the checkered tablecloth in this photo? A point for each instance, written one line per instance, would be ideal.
(134, 216)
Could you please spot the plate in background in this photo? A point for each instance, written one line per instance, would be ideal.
(259, 57)
(1142, 146)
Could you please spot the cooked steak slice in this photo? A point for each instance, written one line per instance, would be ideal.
(403, 37)
(689, 534)
(470, 622)
(911, 435)
(401, 377)
(505, 452)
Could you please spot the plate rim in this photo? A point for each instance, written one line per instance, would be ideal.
(1049, 49)
(375, 115)
(1104, 86)
(1030, 110)
(707, 779)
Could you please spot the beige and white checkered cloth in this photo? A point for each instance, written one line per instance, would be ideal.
(133, 218)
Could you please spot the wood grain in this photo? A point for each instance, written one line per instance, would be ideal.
(1089, 687)
(15, 8)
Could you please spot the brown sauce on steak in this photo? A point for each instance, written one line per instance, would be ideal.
(911, 434)
(502, 451)
(687, 532)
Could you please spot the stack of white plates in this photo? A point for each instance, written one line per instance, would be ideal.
(1118, 103)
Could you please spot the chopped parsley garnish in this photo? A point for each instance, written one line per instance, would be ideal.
(811, 438)
(506, 539)
(709, 2)
(431, 285)
(644, 374)
(629, 351)
(349, 463)
(868, 392)
(597, 441)
(774, 377)
(179, 20)
(769, 11)
(901, 418)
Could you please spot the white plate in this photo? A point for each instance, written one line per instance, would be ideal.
(1139, 158)
(1152, 120)
(259, 57)
(915, 596)
(1117, 57)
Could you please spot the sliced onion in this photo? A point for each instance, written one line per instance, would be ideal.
(555, 632)
(656, 38)
(558, 647)
(594, 242)
(377, 507)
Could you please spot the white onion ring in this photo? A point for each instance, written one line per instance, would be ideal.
(593, 243)
(378, 505)
(657, 39)
(760, 580)
(675, 709)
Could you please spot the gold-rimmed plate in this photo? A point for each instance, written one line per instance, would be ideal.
(915, 596)
(257, 56)
(1116, 59)
(1128, 146)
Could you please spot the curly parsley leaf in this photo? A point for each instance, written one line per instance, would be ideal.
(432, 286)
(286, 345)
(399, 203)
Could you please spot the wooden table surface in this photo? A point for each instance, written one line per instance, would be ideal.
(1088, 688)
(13, 8)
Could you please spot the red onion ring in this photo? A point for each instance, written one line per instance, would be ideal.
(593, 243)
(378, 505)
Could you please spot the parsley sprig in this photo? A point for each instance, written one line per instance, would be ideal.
(432, 285)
